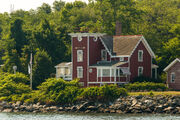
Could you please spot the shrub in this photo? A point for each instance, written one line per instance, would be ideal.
(59, 91)
(12, 86)
(104, 93)
(145, 86)
(146, 79)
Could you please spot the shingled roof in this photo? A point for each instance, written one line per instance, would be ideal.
(124, 45)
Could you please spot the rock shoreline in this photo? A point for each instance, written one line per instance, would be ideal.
(129, 104)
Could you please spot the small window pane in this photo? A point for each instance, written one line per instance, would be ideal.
(79, 72)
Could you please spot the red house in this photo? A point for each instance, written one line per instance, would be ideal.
(173, 74)
(99, 59)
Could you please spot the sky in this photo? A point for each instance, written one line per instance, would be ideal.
(25, 4)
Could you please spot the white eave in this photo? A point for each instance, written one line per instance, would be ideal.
(171, 64)
(86, 34)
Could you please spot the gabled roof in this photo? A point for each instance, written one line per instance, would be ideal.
(124, 45)
(171, 64)
(64, 64)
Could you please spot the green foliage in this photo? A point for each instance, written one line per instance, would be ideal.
(151, 93)
(17, 78)
(145, 86)
(59, 91)
(42, 68)
(103, 94)
(146, 79)
(12, 86)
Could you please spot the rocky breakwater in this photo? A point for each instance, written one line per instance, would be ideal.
(129, 104)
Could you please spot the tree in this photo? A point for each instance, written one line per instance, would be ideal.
(45, 8)
(49, 41)
(58, 5)
(42, 68)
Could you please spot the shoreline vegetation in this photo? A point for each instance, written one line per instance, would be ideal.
(57, 95)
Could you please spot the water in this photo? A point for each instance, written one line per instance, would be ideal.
(31, 116)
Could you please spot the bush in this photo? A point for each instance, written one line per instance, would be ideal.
(103, 94)
(59, 91)
(12, 86)
(145, 86)
(146, 79)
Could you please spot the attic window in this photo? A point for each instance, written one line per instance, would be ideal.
(103, 55)
(140, 55)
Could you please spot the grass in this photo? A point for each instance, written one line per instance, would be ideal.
(175, 93)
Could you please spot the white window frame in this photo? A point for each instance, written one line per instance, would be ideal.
(140, 59)
(139, 71)
(173, 76)
(102, 52)
(121, 59)
(79, 58)
(79, 75)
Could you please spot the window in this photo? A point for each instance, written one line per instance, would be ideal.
(140, 71)
(112, 72)
(106, 72)
(79, 55)
(121, 59)
(79, 72)
(103, 55)
(140, 56)
(172, 77)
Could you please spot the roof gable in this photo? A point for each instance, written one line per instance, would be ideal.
(124, 45)
(171, 64)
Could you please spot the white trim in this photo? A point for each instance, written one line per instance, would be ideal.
(86, 34)
(105, 82)
(140, 59)
(146, 46)
(105, 47)
(120, 56)
(173, 73)
(142, 70)
(171, 64)
(149, 48)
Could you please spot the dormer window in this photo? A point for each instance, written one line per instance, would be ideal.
(140, 55)
(103, 55)
(79, 55)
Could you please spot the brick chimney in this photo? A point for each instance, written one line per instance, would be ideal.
(118, 28)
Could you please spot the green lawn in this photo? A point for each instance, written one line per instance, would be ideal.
(155, 93)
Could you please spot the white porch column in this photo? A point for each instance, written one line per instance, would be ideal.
(115, 75)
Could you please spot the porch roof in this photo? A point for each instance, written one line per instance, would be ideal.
(108, 64)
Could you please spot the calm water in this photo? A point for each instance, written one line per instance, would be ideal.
(23, 116)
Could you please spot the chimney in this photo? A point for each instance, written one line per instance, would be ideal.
(118, 28)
